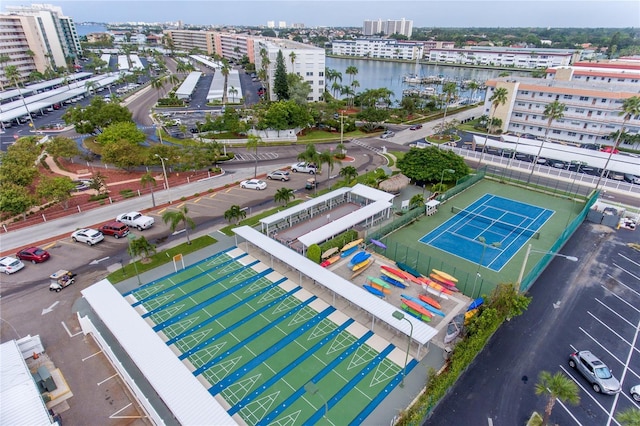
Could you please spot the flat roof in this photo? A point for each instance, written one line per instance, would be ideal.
(179, 389)
(378, 308)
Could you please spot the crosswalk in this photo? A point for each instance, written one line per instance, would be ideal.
(246, 156)
(365, 146)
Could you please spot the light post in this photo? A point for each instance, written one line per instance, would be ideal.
(515, 151)
(442, 176)
(526, 257)
(313, 389)
(158, 133)
(164, 170)
(400, 316)
(130, 238)
(482, 240)
(341, 126)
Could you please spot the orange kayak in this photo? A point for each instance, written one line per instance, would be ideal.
(442, 281)
(436, 286)
(432, 302)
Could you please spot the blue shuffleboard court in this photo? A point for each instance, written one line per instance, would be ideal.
(490, 231)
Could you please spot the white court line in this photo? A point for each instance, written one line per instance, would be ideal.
(599, 344)
(67, 330)
(609, 328)
(116, 416)
(107, 379)
(490, 421)
(91, 356)
(588, 392)
(614, 312)
(629, 259)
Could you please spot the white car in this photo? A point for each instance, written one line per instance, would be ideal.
(89, 236)
(635, 392)
(9, 265)
(282, 175)
(136, 220)
(304, 167)
(253, 184)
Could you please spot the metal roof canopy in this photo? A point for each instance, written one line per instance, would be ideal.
(619, 163)
(188, 85)
(178, 388)
(204, 60)
(378, 308)
(342, 224)
(31, 88)
(21, 400)
(280, 216)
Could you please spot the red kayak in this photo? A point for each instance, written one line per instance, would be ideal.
(416, 307)
(434, 285)
(449, 284)
(432, 302)
(397, 272)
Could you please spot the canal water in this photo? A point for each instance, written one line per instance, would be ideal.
(375, 74)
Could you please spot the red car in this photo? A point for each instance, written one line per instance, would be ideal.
(117, 229)
(33, 254)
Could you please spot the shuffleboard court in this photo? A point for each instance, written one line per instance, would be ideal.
(255, 340)
(490, 231)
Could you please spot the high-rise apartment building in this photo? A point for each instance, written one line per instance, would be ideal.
(37, 37)
(388, 27)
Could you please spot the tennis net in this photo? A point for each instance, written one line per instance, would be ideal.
(495, 222)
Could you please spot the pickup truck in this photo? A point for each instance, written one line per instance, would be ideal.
(304, 167)
(136, 220)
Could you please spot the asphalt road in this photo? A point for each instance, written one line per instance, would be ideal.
(590, 304)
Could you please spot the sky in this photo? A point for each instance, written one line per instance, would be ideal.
(335, 13)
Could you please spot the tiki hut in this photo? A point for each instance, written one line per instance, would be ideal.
(394, 184)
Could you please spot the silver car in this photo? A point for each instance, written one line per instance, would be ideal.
(635, 392)
(89, 236)
(595, 371)
(282, 175)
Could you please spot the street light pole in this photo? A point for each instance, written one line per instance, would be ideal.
(400, 316)
(341, 126)
(442, 176)
(164, 171)
(530, 250)
(131, 237)
(483, 241)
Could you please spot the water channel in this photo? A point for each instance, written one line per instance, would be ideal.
(375, 74)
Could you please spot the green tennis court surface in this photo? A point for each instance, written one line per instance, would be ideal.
(256, 339)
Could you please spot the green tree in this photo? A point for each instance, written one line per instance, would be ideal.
(284, 195)
(235, 214)
(449, 92)
(148, 180)
(95, 117)
(176, 217)
(123, 154)
(56, 189)
(14, 200)
(98, 183)
(225, 70)
(326, 157)
(349, 173)
(630, 109)
(60, 146)
(428, 164)
(299, 89)
(280, 86)
(553, 111)
(629, 417)
(351, 71)
(416, 201)
(292, 58)
(556, 387)
(139, 246)
(126, 130)
(17, 164)
(310, 154)
(499, 97)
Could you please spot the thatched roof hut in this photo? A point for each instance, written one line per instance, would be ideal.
(394, 184)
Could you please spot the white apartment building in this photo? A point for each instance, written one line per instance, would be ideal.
(189, 39)
(378, 48)
(36, 37)
(309, 63)
(388, 27)
(505, 57)
(592, 105)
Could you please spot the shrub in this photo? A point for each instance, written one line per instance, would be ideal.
(314, 252)
(98, 197)
(127, 193)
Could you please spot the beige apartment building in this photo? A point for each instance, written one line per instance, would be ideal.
(592, 94)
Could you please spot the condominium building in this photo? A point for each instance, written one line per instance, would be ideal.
(505, 56)
(191, 39)
(592, 94)
(378, 48)
(388, 27)
(37, 37)
(308, 62)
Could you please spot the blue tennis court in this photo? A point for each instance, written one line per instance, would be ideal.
(490, 231)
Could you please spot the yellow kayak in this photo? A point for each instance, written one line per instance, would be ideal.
(351, 244)
(445, 275)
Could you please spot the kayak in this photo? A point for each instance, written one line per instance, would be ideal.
(416, 307)
(392, 275)
(407, 268)
(430, 301)
(447, 284)
(348, 252)
(445, 275)
(327, 254)
(351, 244)
(475, 304)
(381, 288)
(330, 261)
(373, 291)
(378, 281)
(397, 272)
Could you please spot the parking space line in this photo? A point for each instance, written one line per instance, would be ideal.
(116, 416)
(107, 379)
(197, 200)
(179, 206)
(91, 356)
(620, 267)
(608, 328)
(588, 392)
(161, 211)
(213, 195)
(629, 260)
(599, 344)
(615, 313)
(67, 330)
(621, 299)
(48, 246)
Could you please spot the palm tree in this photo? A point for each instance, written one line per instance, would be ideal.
(292, 57)
(235, 214)
(553, 111)
(252, 143)
(176, 217)
(225, 70)
(499, 97)
(351, 71)
(90, 86)
(630, 109)
(474, 86)
(148, 179)
(629, 417)
(449, 92)
(234, 92)
(349, 173)
(3, 60)
(310, 155)
(326, 157)
(284, 195)
(557, 387)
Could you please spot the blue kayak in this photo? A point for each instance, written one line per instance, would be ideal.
(373, 291)
(349, 252)
(475, 304)
(392, 281)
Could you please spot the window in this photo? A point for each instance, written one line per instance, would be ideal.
(567, 97)
(321, 74)
(571, 134)
(555, 132)
(309, 73)
(525, 92)
(579, 111)
(584, 98)
(518, 114)
(603, 100)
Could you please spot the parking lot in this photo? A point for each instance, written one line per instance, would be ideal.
(607, 323)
